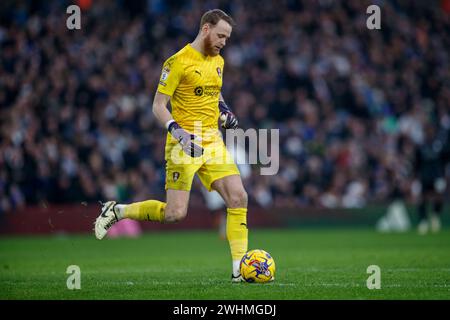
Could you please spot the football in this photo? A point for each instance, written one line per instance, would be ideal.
(257, 266)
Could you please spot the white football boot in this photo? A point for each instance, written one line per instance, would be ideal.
(236, 276)
(105, 220)
(236, 279)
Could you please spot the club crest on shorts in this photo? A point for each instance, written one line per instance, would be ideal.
(219, 72)
(175, 176)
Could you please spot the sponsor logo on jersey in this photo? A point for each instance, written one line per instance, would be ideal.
(198, 91)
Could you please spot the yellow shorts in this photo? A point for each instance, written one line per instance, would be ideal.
(215, 164)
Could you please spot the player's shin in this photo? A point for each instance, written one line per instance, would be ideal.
(150, 210)
(237, 234)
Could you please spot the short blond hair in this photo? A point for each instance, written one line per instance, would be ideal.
(214, 16)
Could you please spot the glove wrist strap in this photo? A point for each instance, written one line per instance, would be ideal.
(172, 125)
(223, 107)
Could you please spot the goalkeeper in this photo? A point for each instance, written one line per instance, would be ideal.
(192, 80)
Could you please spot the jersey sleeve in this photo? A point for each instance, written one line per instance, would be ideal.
(171, 75)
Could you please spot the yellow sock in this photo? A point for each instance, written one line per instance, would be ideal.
(237, 232)
(151, 210)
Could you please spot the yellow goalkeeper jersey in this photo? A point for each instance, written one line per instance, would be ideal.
(193, 81)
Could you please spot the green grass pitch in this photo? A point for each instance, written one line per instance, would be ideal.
(311, 264)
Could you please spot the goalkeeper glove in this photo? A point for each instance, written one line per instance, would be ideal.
(185, 139)
(227, 118)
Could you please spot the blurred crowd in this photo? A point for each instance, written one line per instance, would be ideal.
(352, 104)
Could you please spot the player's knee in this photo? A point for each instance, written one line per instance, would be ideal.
(238, 199)
(173, 215)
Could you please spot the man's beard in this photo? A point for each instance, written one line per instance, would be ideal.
(209, 47)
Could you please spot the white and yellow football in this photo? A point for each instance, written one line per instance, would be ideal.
(257, 266)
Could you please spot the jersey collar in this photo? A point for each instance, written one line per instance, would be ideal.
(196, 52)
